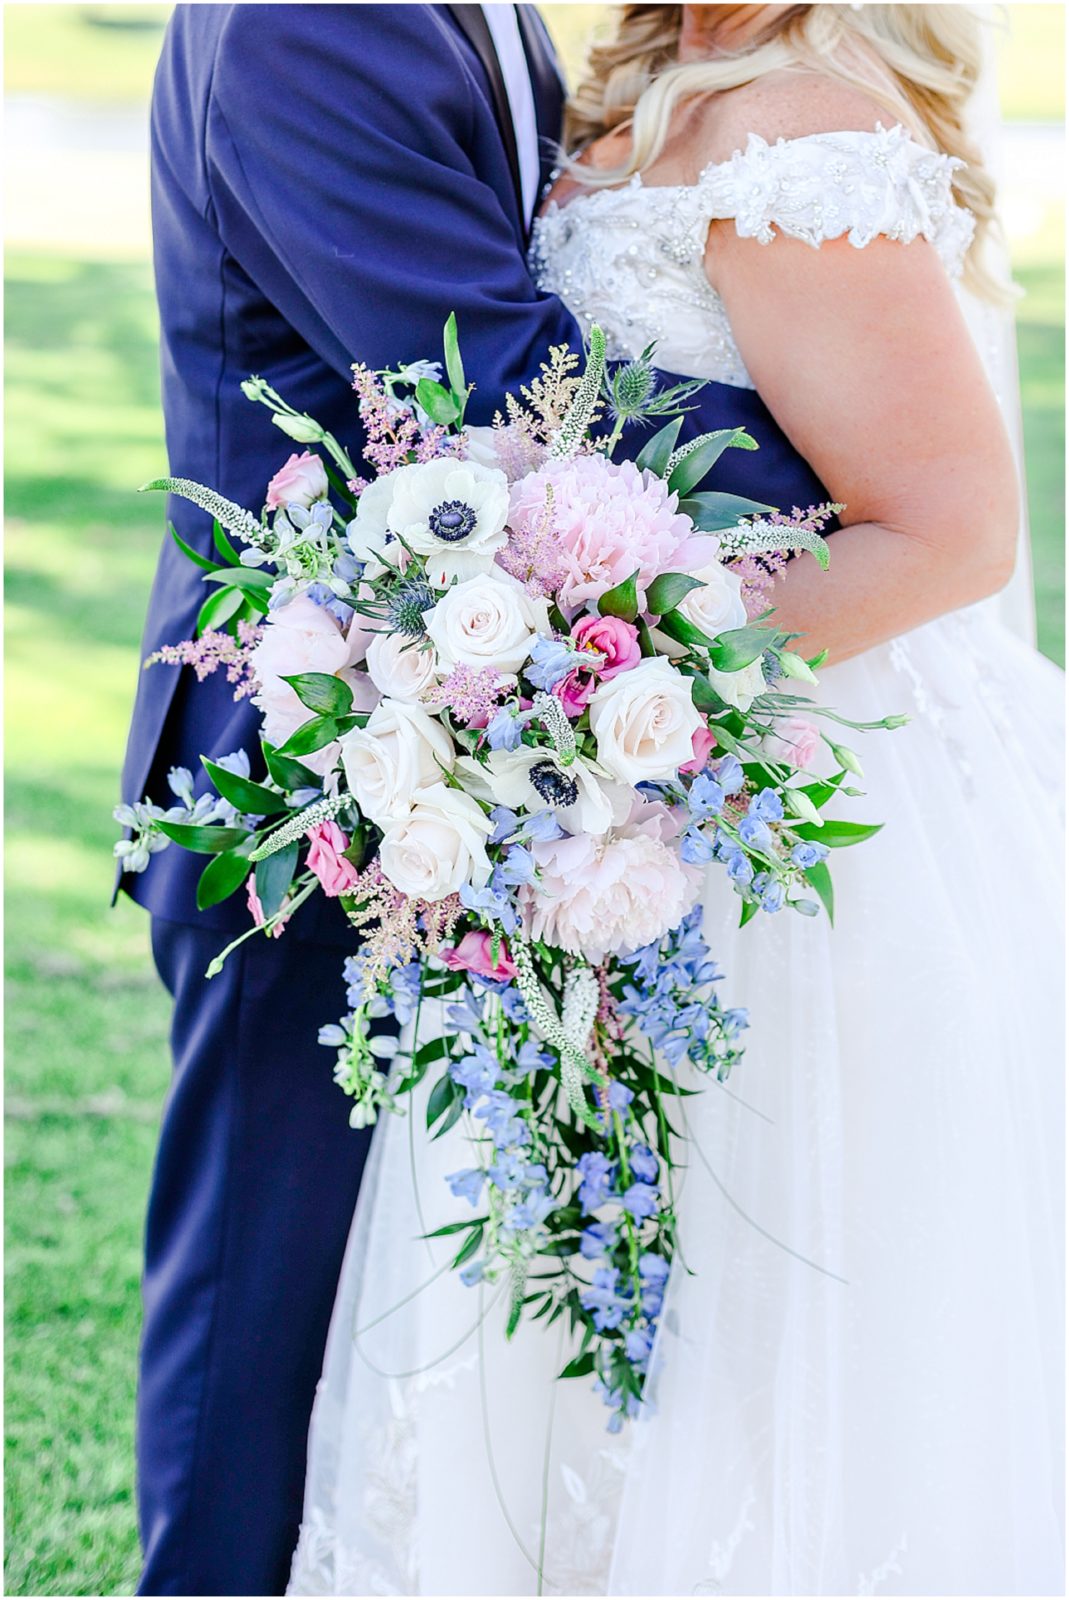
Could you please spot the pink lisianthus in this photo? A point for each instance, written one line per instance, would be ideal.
(327, 860)
(615, 641)
(256, 911)
(611, 520)
(793, 739)
(703, 744)
(475, 953)
(300, 482)
(575, 690)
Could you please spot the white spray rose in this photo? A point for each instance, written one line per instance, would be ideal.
(740, 689)
(401, 749)
(400, 667)
(644, 722)
(439, 846)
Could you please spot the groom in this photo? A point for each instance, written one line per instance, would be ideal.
(329, 182)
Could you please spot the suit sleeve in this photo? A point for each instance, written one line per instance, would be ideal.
(342, 145)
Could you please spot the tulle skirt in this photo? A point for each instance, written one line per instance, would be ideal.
(857, 1385)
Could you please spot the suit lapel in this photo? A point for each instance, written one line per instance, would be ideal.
(473, 25)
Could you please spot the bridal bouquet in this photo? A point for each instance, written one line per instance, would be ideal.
(518, 697)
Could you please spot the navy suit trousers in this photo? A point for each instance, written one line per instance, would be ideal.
(252, 1197)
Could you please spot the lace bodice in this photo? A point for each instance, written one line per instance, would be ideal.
(631, 258)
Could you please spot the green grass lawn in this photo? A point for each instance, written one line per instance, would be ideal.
(107, 52)
(86, 1020)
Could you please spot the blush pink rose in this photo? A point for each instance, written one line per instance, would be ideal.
(475, 952)
(302, 637)
(794, 739)
(326, 859)
(301, 481)
(256, 911)
(703, 743)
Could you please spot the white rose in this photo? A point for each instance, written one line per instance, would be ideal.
(401, 749)
(644, 722)
(299, 637)
(740, 689)
(527, 779)
(486, 621)
(439, 846)
(400, 667)
(715, 608)
(452, 513)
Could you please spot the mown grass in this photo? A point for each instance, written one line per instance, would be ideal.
(107, 52)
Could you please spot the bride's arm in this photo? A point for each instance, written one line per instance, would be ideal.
(863, 358)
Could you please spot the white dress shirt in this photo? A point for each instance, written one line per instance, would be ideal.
(505, 32)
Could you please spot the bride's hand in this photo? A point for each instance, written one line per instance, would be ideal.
(864, 359)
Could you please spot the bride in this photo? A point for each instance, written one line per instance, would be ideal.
(861, 1340)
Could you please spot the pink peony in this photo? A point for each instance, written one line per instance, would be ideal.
(611, 520)
(256, 911)
(326, 859)
(601, 896)
(703, 743)
(793, 739)
(474, 953)
(300, 482)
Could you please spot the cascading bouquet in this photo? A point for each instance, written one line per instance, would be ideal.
(518, 697)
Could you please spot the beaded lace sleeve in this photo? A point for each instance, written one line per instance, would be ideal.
(827, 185)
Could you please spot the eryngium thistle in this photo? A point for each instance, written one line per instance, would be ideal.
(630, 389)
(405, 607)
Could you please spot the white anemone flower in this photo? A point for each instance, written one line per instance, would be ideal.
(452, 513)
(367, 533)
(583, 798)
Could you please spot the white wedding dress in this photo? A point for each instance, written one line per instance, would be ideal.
(859, 1376)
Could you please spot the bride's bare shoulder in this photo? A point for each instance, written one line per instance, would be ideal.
(781, 105)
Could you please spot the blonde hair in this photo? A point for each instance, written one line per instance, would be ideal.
(920, 62)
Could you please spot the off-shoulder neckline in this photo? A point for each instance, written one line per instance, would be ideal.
(897, 134)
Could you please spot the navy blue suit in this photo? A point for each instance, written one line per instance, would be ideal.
(328, 182)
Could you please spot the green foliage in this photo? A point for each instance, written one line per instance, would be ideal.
(622, 601)
(667, 590)
(657, 452)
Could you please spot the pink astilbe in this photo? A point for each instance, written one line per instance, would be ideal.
(215, 649)
(394, 435)
(472, 694)
(532, 554)
(395, 928)
(759, 574)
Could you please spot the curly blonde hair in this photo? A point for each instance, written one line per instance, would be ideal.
(920, 62)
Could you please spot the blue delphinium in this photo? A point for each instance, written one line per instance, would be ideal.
(467, 1184)
(405, 985)
(597, 1174)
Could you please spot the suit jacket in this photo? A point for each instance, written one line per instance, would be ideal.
(328, 183)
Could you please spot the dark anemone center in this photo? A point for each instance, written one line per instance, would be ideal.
(452, 521)
(555, 786)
